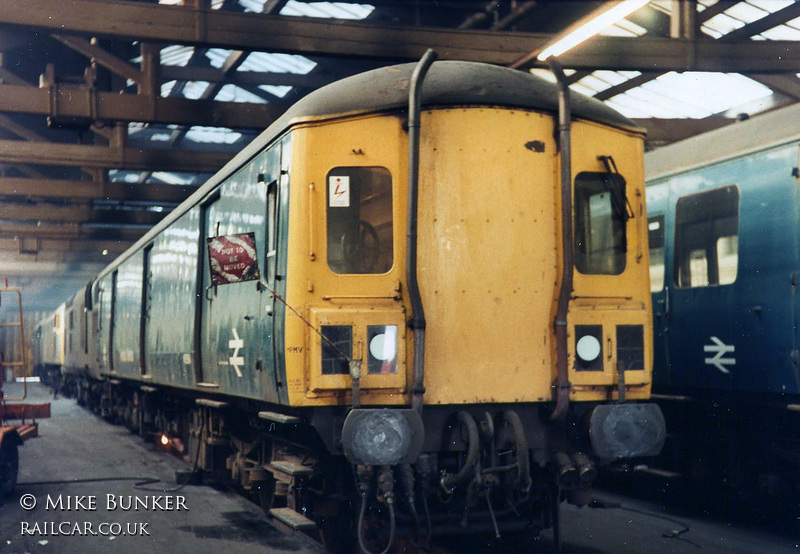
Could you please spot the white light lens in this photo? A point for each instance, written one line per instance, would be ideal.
(588, 348)
(383, 346)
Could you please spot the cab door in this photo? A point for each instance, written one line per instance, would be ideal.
(236, 330)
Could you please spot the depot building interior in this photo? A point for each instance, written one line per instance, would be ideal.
(113, 112)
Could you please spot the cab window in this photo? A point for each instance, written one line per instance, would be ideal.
(600, 220)
(707, 238)
(360, 226)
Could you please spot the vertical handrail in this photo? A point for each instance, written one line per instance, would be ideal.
(417, 321)
(567, 256)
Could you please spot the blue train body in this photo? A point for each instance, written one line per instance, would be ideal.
(723, 215)
(723, 212)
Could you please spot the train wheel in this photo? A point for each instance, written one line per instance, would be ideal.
(9, 466)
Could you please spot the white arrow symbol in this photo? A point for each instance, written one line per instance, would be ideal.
(719, 349)
(235, 360)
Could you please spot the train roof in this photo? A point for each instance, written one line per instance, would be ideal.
(447, 83)
(737, 139)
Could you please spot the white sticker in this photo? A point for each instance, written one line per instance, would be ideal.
(339, 192)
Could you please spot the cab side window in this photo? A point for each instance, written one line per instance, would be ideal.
(600, 223)
(707, 238)
(360, 224)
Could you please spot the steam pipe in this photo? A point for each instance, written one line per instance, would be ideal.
(567, 255)
(417, 321)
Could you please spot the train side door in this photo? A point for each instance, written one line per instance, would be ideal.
(659, 287)
(236, 315)
(702, 301)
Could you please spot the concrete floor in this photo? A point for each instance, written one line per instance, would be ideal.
(79, 460)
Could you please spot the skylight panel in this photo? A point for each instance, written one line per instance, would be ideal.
(276, 90)
(217, 56)
(336, 10)
(746, 12)
(193, 90)
(234, 93)
(782, 32)
(277, 63)
(771, 6)
(689, 94)
(176, 55)
(722, 24)
(632, 107)
(256, 6)
(172, 178)
(166, 88)
(624, 28)
(136, 127)
(661, 104)
(124, 176)
(215, 135)
(601, 80)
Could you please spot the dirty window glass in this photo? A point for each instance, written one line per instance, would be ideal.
(360, 224)
(600, 217)
(707, 238)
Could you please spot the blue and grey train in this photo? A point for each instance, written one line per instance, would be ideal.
(724, 234)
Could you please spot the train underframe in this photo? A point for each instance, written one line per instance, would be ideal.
(491, 470)
(734, 454)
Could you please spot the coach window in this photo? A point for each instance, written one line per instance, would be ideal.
(600, 218)
(655, 235)
(360, 226)
(707, 238)
(272, 230)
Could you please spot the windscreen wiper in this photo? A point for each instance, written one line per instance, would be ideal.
(615, 185)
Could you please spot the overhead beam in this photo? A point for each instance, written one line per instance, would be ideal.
(80, 102)
(104, 58)
(788, 85)
(665, 131)
(742, 34)
(313, 80)
(260, 32)
(76, 155)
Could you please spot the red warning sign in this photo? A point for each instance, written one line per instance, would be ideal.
(233, 258)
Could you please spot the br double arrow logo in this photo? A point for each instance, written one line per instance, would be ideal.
(719, 349)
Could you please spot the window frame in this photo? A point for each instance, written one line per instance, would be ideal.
(714, 213)
(588, 185)
(368, 229)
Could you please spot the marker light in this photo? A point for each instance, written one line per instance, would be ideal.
(588, 348)
(384, 345)
(382, 340)
(164, 440)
